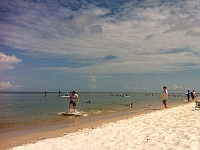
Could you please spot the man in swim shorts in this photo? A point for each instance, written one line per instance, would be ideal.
(166, 92)
(73, 97)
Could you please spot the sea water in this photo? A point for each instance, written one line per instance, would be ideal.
(20, 109)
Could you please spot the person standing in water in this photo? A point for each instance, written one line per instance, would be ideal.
(45, 94)
(166, 92)
(73, 97)
(193, 95)
(188, 95)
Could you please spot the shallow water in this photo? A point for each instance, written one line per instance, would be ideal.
(19, 110)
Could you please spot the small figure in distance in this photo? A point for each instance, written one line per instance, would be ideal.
(45, 94)
(166, 92)
(59, 94)
(193, 95)
(88, 102)
(188, 95)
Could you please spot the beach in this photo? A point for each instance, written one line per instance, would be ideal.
(172, 128)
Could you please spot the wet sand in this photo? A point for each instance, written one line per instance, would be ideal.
(130, 126)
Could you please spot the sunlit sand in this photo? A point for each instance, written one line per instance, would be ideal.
(172, 128)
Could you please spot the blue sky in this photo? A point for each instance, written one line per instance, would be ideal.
(92, 45)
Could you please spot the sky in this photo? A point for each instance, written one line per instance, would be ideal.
(100, 46)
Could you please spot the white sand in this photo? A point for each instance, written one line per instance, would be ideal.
(175, 128)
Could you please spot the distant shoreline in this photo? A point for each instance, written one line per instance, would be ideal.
(64, 92)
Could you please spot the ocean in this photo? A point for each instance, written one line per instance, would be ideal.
(25, 110)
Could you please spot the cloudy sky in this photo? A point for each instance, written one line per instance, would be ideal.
(93, 45)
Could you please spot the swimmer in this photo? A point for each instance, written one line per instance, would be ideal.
(88, 102)
(149, 106)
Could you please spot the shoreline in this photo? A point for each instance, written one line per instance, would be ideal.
(32, 137)
(11, 142)
(66, 122)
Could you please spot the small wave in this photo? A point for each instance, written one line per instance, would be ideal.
(85, 115)
(97, 112)
(111, 111)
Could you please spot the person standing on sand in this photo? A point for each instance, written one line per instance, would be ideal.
(193, 95)
(188, 95)
(73, 97)
(166, 92)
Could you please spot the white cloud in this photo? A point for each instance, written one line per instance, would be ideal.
(129, 88)
(79, 23)
(8, 85)
(175, 87)
(93, 83)
(8, 62)
(135, 88)
(95, 11)
(141, 38)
